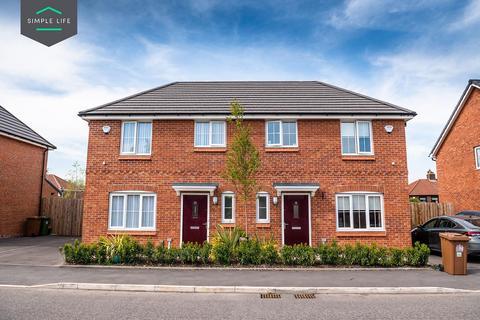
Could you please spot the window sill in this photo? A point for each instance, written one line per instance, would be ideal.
(361, 233)
(228, 225)
(281, 149)
(358, 158)
(135, 157)
(133, 232)
(262, 225)
(209, 149)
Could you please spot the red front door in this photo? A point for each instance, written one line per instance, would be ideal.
(295, 219)
(195, 207)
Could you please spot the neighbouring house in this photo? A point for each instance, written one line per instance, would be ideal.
(424, 190)
(333, 167)
(23, 162)
(457, 153)
(58, 187)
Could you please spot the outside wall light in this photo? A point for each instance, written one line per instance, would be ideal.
(275, 200)
(215, 200)
(106, 129)
(389, 128)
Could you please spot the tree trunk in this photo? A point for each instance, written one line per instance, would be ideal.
(246, 217)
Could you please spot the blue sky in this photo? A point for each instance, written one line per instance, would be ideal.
(417, 54)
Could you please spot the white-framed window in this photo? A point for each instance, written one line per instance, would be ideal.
(136, 138)
(356, 137)
(360, 211)
(228, 207)
(281, 133)
(477, 157)
(132, 210)
(210, 133)
(263, 207)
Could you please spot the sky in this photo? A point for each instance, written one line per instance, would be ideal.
(417, 54)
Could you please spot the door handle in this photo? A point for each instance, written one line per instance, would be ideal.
(204, 224)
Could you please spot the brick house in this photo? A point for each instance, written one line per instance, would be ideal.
(333, 164)
(23, 161)
(457, 152)
(59, 187)
(425, 190)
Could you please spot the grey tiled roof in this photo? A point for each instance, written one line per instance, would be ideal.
(475, 82)
(257, 97)
(11, 125)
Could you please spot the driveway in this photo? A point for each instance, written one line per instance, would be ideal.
(32, 251)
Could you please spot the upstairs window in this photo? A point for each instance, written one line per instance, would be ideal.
(477, 157)
(356, 137)
(228, 207)
(359, 212)
(210, 134)
(136, 138)
(281, 133)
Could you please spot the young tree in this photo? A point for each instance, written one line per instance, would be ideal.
(243, 160)
(75, 179)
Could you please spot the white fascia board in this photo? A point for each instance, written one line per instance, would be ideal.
(192, 188)
(451, 121)
(309, 189)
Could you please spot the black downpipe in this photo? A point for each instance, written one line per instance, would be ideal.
(41, 183)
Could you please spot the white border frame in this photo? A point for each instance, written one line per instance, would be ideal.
(309, 215)
(476, 151)
(133, 193)
(181, 213)
(210, 144)
(367, 216)
(280, 145)
(257, 206)
(357, 137)
(135, 138)
(230, 194)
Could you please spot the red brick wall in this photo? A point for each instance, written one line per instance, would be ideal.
(20, 179)
(49, 191)
(318, 159)
(458, 179)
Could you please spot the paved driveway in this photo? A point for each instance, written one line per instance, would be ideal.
(33, 251)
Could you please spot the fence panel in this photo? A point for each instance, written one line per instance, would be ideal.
(423, 211)
(65, 215)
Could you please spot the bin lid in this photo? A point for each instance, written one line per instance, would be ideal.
(454, 236)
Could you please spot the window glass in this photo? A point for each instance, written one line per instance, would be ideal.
(289, 133)
(343, 211)
(359, 216)
(218, 130)
(195, 210)
(296, 210)
(144, 134)
(262, 207)
(116, 220)
(147, 211)
(364, 136)
(228, 207)
(128, 137)
(133, 213)
(434, 199)
(202, 130)
(477, 157)
(273, 132)
(375, 211)
(430, 224)
(348, 137)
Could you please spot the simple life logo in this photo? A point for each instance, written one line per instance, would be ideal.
(49, 21)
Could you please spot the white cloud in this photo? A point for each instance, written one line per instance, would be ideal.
(470, 16)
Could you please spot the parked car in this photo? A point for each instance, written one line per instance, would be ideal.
(428, 233)
(469, 213)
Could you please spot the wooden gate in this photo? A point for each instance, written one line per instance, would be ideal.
(421, 212)
(65, 215)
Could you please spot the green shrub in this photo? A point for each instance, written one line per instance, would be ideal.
(193, 253)
(330, 254)
(79, 253)
(299, 255)
(120, 249)
(249, 252)
(269, 253)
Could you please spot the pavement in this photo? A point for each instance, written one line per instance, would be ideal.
(74, 304)
(37, 261)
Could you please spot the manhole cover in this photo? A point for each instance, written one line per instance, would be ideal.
(305, 296)
(270, 295)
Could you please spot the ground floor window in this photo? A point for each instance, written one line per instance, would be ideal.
(262, 208)
(359, 211)
(132, 211)
(228, 207)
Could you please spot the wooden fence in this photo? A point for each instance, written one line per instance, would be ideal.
(423, 211)
(65, 215)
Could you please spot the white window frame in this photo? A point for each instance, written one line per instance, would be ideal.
(228, 194)
(135, 138)
(210, 144)
(281, 145)
(367, 215)
(357, 138)
(476, 151)
(267, 195)
(124, 194)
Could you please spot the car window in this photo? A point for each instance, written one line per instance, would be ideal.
(430, 224)
(472, 223)
(446, 224)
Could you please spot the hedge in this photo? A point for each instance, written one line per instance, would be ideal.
(249, 252)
